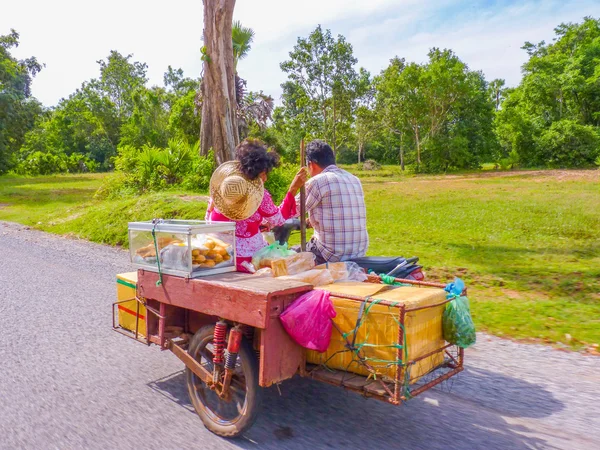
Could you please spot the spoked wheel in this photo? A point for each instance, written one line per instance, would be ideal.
(232, 416)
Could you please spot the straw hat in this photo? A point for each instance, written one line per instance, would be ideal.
(234, 195)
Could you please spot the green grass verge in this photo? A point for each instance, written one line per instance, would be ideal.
(527, 243)
(66, 205)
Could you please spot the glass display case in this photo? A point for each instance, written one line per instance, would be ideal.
(186, 248)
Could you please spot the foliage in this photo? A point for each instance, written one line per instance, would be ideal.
(547, 119)
(149, 120)
(242, 38)
(198, 178)
(568, 144)
(149, 168)
(254, 110)
(323, 88)
(440, 112)
(18, 111)
(120, 78)
(437, 116)
(532, 275)
(279, 181)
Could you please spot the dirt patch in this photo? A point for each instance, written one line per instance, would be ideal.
(66, 219)
(194, 198)
(4, 205)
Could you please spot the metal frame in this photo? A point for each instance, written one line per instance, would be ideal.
(188, 227)
(391, 392)
(388, 391)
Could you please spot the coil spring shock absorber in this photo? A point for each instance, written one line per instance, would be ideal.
(219, 349)
(233, 348)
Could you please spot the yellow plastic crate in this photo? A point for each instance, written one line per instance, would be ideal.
(127, 311)
(380, 329)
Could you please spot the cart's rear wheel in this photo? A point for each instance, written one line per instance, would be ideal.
(227, 418)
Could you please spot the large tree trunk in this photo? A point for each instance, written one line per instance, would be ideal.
(219, 125)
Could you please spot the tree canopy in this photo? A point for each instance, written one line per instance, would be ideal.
(434, 116)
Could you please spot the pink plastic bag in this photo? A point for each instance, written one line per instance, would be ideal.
(308, 320)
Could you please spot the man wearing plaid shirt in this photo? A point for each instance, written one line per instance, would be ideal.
(336, 208)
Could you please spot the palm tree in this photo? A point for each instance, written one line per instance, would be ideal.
(242, 38)
(256, 107)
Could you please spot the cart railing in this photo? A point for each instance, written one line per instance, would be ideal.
(393, 391)
(397, 390)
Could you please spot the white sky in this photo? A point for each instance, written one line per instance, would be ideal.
(70, 37)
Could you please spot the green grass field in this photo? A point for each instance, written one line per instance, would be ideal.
(526, 243)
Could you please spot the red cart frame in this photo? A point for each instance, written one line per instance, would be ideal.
(252, 305)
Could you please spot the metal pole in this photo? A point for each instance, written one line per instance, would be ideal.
(302, 201)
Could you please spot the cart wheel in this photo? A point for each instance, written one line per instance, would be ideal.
(232, 417)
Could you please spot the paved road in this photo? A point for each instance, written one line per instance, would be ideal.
(68, 382)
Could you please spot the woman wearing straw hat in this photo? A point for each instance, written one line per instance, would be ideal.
(238, 195)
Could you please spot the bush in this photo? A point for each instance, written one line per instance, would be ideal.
(39, 163)
(202, 167)
(568, 144)
(116, 185)
(279, 181)
(127, 158)
(371, 164)
(152, 168)
(176, 160)
(78, 163)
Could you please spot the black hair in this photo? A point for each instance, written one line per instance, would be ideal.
(320, 152)
(255, 158)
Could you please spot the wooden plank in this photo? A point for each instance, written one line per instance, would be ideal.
(376, 388)
(334, 377)
(222, 300)
(280, 357)
(251, 283)
(355, 381)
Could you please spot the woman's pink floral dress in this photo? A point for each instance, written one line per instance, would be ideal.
(249, 239)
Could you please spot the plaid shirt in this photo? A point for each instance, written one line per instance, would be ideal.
(336, 208)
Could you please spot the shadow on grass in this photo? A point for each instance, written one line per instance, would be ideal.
(25, 196)
(8, 181)
(309, 414)
(528, 266)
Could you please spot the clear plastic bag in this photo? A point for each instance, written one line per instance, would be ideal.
(345, 271)
(174, 256)
(308, 320)
(264, 272)
(457, 324)
(315, 277)
(293, 264)
(269, 237)
(265, 255)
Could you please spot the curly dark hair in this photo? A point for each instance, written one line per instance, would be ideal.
(255, 158)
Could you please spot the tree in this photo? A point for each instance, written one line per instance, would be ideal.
(218, 130)
(253, 108)
(323, 86)
(148, 124)
(18, 110)
(440, 110)
(497, 91)
(241, 39)
(559, 94)
(86, 123)
(120, 78)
